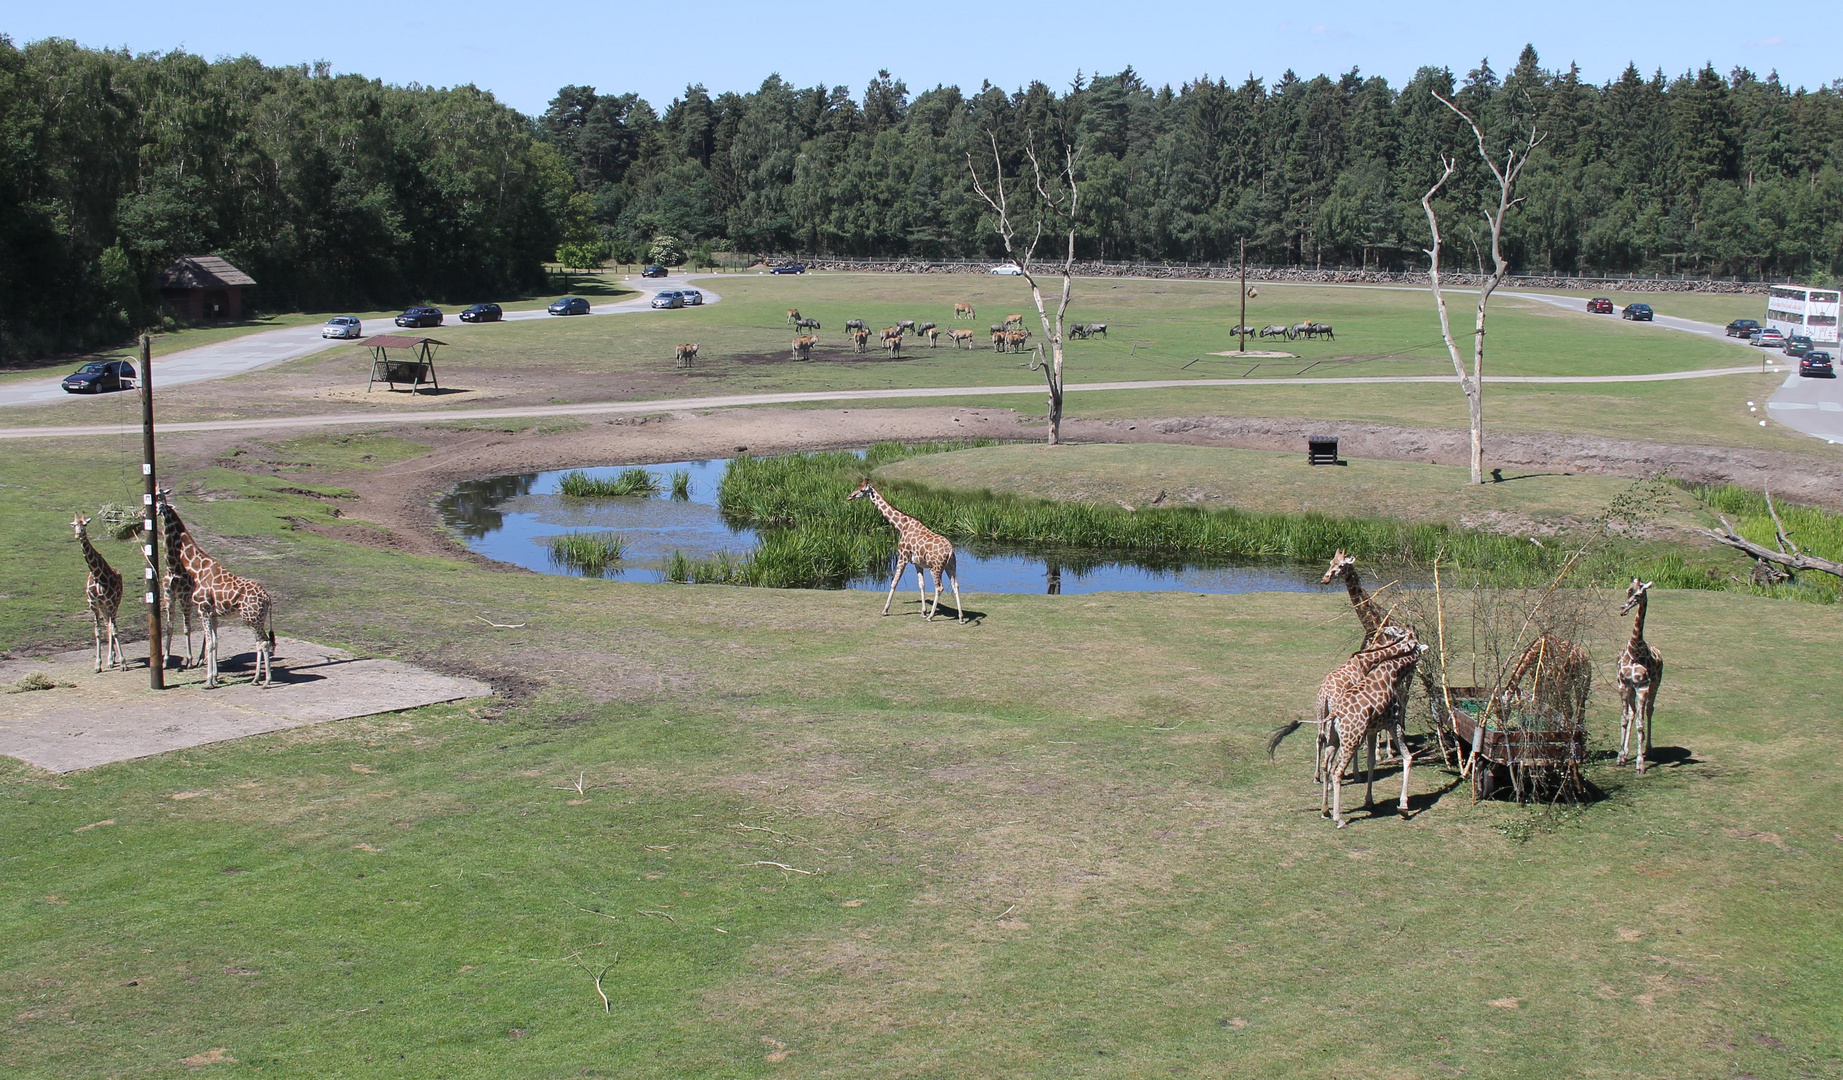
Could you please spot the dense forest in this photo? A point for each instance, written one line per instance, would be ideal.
(340, 190)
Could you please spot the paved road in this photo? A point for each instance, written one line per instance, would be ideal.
(254, 351)
(659, 405)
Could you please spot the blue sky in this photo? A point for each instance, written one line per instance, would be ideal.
(523, 54)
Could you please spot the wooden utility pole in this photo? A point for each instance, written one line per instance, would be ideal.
(150, 520)
(1241, 327)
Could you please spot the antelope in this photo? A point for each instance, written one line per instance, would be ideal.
(861, 338)
(793, 316)
(1017, 319)
(894, 344)
(1016, 339)
(803, 347)
(963, 311)
(998, 340)
(961, 337)
(932, 333)
(890, 332)
(684, 354)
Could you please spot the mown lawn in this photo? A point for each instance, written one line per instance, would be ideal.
(1046, 843)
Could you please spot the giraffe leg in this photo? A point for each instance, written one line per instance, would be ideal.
(959, 609)
(1369, 790)
(921, 587)
(1643, 720)
(211, 649)
(116, 657)
(96, 629)
(901, 565)
(1346, 757)
(936, 610)
(1625, 723)
(1407, 762)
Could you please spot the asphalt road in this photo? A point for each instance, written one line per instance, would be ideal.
(255, 351)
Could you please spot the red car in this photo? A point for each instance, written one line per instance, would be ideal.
(1600, 305)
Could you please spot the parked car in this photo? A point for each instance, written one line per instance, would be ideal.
(100, 377)
(343, 326)
(1769, 339)
(420, 316)
(1600, 305)
(1008, 269)
(654, 271)
(790, 268)
(668, 298)
(1798, 345)
(1742, 327)
(691, 297)
(1637, 312)
(482, 313)
(1817, 365)
(569, 305)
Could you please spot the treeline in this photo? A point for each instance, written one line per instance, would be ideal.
(1700, 174)
(330, 191)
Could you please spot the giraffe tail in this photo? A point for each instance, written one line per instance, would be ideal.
(1281, 732)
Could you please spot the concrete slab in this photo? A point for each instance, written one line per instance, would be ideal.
(92, 719)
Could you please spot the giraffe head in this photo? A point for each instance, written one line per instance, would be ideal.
(1634, 593)
(864, 491)
(1339, 563)
(79, 525)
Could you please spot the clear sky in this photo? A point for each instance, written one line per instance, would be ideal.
(522, 54)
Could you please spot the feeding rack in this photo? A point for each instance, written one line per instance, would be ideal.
(417, 368)
(1540, 750)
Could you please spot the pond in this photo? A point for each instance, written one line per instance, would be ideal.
(513, 518)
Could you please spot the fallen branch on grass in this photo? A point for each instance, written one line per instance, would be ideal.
(1788, 554)
(500, 625)
(783, 866)
(661, 914)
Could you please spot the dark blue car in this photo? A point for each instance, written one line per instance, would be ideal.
(420, 316)
(100, 377)
(570, 305)
(790, 268)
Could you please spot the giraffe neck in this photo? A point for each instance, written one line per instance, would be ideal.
(191, 558)
(1366, 611)
(99, 566)
(894, 516)
(1638, 623)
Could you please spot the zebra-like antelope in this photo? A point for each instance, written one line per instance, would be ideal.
(932, 333)
(905, 325)
(1014, 320)
(890, 332)
(924, 327)
(807, 324)
(1015, 339)
(963, 311)
(961, 338)
(803, 347)
(1094, 328)
(861, 338)
(684, 354)
(855, 324)
(1300, 330)
(998, 339)
(1271, 330)
(793, 316)
(1320, 329)
(999, 328)
(894, 345)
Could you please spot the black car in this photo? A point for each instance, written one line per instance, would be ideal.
(1797, 345)
(1817, 365)
(482, 313)
(570, 305)
(790, 268)
(654, 271)
(1637, 312)
(99, 377)
(420, 316)
(1742, 327)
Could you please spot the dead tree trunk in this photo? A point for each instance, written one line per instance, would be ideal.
(1055, 209)
(1788, 555)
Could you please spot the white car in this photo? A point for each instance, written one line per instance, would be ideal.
(342, 326)
(1009, 270)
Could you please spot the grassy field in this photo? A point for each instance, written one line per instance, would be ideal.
(1043, 844)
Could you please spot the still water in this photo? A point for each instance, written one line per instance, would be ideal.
(512, 518)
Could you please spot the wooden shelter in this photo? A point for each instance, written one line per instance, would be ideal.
(204, 287)
(414, 364)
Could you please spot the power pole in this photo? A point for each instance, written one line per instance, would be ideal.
(150, 518)
(1241, 327)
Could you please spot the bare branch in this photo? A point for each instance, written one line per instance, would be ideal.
(1796, 560)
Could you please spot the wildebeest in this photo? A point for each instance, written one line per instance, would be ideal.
(1094, 328)
(793, 316)
(803, 347)
(1018, 319)
(1271, 330)
(684, 354)
(861, 338)
(963, 311)
(931, 333)
(1323, 330)
(854, 324)
(1299, 330)
(894, 345)
(924, 328)
(807, 324)
(961, 337)
(905, 325)
(999, 328)
(1078, 331)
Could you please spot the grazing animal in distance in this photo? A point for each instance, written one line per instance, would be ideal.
(217, 592)
(998, 340)
(1078, 331)
(793, 316)
(890, 332)
(1641, 673)
(861, 338)
(961, 338)
(1015, 339)
(854, 324)
(807, 324)
(905, 325)
(1300, 330)
(1323, 330)
(924, 327)
(685, 354)
(931, 333)
(894, 345)
(920, 546)
(803, 347)
(1014, 320)
(1097, 328)
(1270, 330)
(102, 594)
(963, 311)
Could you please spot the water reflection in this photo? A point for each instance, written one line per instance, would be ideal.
(511, 518)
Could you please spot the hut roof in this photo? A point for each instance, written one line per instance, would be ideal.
(203, 272)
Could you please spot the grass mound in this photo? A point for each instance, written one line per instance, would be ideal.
(634, 481)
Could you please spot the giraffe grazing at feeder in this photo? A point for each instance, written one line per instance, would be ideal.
(1563, 676)
(176, 587)
(1353, 701)
(1374, 618)
(215, 592)
(921, 546)
(102, 592)
(1641, 672)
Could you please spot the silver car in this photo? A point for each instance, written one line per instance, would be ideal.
(342, 326)
(691, 297)
(669, 298)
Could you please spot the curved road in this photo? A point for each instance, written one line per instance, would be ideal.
(259, 350)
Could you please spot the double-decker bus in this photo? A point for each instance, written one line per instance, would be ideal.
(1812, 313)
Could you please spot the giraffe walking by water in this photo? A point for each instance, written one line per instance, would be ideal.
(102, 593)
(921, 546)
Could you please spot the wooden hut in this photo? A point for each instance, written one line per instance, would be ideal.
(204, 287)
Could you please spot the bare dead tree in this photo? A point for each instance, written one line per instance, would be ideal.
(1788, 554)
(1057, 198)
(1515, 157)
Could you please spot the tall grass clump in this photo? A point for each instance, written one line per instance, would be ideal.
(1818, 532)
(635, 481)
(589, 554)
(681, 484)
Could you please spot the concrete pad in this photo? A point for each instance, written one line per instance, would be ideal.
(93, 719)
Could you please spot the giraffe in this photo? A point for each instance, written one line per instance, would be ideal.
(921, 546)
(177, 585)
(216, 591)
(102, 592)
(1563, 676)
(1352, 701)
(1641, 672)
(1374, 618)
